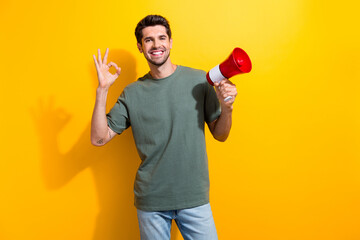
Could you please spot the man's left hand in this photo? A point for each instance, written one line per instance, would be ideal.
(225, 89)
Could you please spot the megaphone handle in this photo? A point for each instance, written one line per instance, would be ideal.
(228, 98)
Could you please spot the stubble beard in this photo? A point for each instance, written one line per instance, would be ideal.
(158, 64)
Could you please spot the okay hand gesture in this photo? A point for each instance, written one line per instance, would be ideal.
(106, 79)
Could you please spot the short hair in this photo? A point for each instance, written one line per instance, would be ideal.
(149, 21)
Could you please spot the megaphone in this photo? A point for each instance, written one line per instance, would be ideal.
(238, 62)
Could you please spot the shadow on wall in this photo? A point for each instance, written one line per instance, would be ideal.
(113, 165)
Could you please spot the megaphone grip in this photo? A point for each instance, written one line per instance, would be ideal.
(228, 98)
(215, 74)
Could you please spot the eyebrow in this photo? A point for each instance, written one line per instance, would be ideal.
(160, 36)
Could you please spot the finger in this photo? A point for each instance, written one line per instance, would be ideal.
(228, 88)
(232, 89)
(226, 96)
(226, 81)
(222, 82)
(217, 86)
(227, 84)
(118, 70)
(222, 85)
(223, 90)
(113, 64)
(99, 56)
(96, 63)
(232, 92)
(106, 55)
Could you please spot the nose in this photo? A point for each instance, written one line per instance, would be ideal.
(156, 43)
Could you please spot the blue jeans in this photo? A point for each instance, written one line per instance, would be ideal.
(194, 224)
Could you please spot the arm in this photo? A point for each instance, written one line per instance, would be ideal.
(220, 128)
(100, 132)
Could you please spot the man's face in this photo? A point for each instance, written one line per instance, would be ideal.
(156, 45)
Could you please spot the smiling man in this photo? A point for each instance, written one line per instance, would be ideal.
(167, 110)
(155, 45)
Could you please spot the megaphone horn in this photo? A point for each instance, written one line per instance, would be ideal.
(238, 62)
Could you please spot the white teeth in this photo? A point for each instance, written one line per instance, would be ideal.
(156, 53)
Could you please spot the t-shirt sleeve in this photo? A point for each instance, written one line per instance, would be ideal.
(212, 104)
(118, 117)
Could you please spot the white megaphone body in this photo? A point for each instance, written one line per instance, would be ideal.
(238, 62)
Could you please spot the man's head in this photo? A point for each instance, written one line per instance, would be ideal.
(153, 36)
(149, 21)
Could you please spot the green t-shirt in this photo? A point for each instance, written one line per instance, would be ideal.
(167, 119)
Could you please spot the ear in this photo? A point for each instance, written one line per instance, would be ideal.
(171, 42)
(139, 47)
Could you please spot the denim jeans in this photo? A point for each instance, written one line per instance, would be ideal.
(194, 224)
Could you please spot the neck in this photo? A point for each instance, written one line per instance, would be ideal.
(163, 71)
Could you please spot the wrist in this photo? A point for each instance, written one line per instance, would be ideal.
(102, 89)
(226, 110)
(101, 94)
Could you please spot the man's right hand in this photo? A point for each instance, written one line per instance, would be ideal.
(106, 79)
(100, 132)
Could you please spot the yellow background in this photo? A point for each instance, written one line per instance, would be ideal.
(290, 169)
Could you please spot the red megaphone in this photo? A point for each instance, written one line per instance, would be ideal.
(238, 62)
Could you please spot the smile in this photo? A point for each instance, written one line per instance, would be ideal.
(157, 52)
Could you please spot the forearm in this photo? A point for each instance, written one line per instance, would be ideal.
(222, 126)
(99, 127)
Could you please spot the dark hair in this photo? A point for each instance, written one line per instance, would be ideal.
(149, 21)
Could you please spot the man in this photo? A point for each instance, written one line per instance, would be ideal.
(167, 109)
